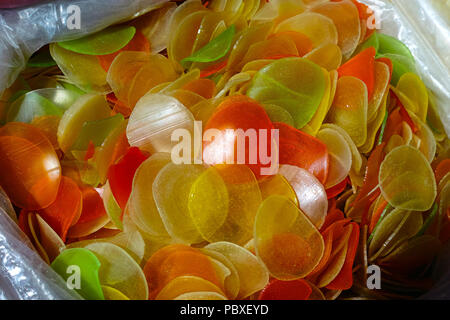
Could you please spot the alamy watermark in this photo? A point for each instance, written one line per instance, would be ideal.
(374, 20)
(374, 277)
(229, 146)
(74, 279)
(73, 21)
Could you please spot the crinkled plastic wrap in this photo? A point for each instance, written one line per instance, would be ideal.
(421, 25)
(424, 26)
(23, 273)
(24, 31)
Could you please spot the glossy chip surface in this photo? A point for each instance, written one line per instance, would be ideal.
(295, 84)
(290, 247)
(30, 185)
(406, 179)
(349, 108)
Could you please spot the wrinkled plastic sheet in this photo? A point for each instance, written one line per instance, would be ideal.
(23, 274)
(422, 25)
(24, 31)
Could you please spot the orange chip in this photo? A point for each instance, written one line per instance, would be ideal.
(361, 66)
(66, 209)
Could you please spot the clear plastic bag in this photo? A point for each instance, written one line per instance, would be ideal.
(24, 275)
(424, 26)
(24, 30)
(419, 24)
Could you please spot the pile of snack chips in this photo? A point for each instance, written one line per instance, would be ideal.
(344, 162)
